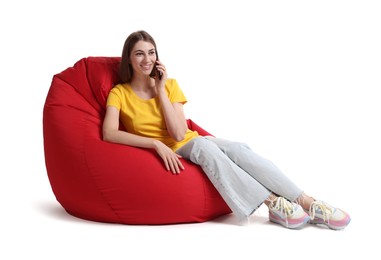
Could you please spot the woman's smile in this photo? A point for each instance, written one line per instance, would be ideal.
(147, 67)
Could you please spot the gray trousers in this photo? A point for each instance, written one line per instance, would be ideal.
(243, 179)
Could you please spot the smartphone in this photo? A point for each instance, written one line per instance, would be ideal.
(154, 70)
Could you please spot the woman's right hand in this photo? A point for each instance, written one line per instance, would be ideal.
(171, 159)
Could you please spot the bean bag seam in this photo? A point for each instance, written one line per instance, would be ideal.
(90, 173)
(79, 93)
(203, 187)
(86, 60)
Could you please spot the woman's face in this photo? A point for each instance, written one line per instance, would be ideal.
(143, 58)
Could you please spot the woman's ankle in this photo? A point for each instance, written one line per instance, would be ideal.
(270, 199)
(305, 201)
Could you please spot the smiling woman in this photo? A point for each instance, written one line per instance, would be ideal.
(150, 109)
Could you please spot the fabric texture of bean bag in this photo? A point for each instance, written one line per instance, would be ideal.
(100, 181)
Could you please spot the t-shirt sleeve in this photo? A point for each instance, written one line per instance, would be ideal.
(175, 93)
(113, 98)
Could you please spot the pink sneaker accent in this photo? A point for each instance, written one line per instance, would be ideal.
(323, 213)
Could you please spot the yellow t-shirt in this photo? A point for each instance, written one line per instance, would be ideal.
(144, 117)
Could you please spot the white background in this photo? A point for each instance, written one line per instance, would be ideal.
(297, 80)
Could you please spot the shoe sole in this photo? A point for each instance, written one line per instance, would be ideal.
(334, 227)
(288, 225)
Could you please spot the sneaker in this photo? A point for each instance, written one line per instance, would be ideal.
(287, 214)
(323, 213)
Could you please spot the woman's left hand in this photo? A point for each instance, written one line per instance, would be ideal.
(171, 159)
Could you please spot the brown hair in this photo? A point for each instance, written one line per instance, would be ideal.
(125, 66)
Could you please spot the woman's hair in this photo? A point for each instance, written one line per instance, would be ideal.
(125, 65)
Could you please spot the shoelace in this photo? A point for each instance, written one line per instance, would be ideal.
(326, 210)
(283, 206)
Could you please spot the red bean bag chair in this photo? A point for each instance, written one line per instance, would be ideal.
(100, 181)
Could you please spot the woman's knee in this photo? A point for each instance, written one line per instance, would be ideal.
(236, 147)
(202, 147)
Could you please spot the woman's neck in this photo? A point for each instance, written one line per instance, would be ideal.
(144, 87)
(142, 83)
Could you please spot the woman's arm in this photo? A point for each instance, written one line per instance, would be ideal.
(173, 113)
(174, 117)
(111, 133)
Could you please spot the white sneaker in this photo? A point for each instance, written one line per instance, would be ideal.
(323, 213)
(287, 214)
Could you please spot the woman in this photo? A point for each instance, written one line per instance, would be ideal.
(150, 107)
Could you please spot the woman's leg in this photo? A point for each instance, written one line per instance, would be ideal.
(241, 192)
(261, 169)
(267, 174)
